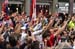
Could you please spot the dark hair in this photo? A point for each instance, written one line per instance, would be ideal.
(71, 39)
(29, 32)
(12, 41)
(35, 45)
(73, 33)
(24, 12)
(46, 34)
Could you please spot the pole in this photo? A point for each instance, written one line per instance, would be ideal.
(27, 7)
(71, 6)
(54, 9)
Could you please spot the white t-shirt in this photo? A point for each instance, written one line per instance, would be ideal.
(23, 37)
(37, 27)
(38, 35)
(73, 47)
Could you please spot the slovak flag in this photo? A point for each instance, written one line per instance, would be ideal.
(5, 6)
(34, 9)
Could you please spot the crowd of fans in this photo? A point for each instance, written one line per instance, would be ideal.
(54, 31)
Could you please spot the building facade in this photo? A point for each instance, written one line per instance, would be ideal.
(50, 5)
(24, 5)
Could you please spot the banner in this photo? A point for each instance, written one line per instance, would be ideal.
(33, 9)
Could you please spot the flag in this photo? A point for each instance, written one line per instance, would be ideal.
(5, 6)
(6, 2)
(33, 9)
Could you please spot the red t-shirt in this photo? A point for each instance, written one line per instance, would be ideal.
(51, 41)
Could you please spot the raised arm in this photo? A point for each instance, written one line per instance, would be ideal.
(1, 28)
(57, 23)
(18, 28)
(61, 29)
(49, 24)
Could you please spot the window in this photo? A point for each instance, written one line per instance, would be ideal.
(63, 0)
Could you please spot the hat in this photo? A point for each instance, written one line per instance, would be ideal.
(23, 28)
